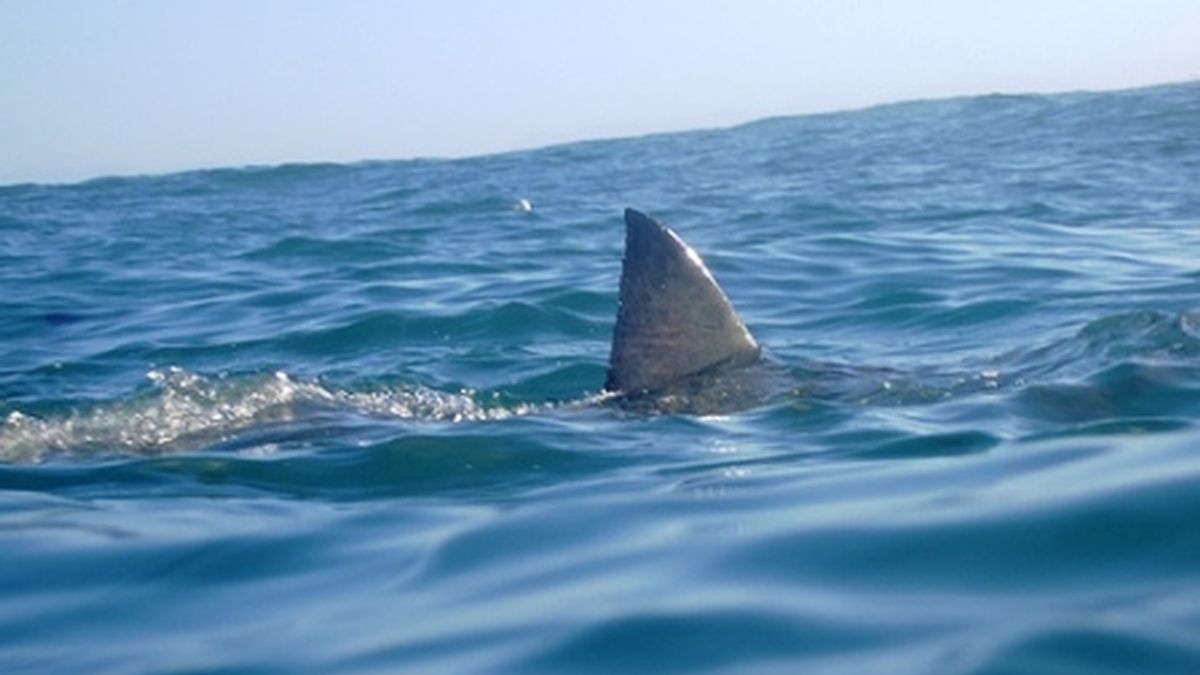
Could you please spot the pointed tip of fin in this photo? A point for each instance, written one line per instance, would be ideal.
(635, 218)
(673, 319)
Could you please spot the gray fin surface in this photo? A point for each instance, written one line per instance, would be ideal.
(673, 319)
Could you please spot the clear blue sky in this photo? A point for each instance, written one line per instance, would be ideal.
(97, 87)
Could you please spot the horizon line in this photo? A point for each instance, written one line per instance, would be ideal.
(271, 165)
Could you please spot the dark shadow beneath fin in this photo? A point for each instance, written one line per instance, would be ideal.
(720, 390)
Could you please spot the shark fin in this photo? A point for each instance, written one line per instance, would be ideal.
(673, 319)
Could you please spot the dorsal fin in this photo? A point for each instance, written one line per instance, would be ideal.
(673, 319)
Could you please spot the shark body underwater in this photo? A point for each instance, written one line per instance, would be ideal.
(678, 344)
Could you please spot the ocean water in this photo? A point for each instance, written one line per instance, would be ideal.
(344, 418)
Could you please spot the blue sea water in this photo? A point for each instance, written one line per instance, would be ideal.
(342, 418)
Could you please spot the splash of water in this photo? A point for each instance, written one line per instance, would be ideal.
(185, 411)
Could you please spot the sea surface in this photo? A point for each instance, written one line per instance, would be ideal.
(345, 418)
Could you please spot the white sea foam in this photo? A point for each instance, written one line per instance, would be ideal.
(186, 411)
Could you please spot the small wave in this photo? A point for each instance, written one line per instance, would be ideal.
(381, 329)
(258, 175)
(323, 250)
(1146, 334)
(452, 206)
(188, 411)
(1130, 337)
